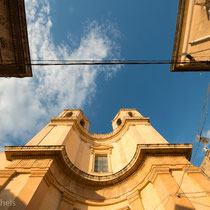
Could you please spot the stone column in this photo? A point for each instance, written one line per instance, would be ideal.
(166, 188)
(134, 201)
(199, 179)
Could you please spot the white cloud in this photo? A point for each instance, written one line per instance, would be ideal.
(27, 104)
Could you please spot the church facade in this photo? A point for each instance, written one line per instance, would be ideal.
(67, 167)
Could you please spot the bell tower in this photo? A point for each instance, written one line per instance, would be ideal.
(67, 167)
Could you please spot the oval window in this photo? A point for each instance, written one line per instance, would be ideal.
(119, 121)
(82, 123)
(69, 114)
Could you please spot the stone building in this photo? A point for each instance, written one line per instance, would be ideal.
(14, 46)
(192, 36)
(66, 167)
(205, 165)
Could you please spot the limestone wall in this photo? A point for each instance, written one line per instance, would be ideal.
(122, 144)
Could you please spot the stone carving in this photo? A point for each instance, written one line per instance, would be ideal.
(41, 163)
(25, 163)
(3, 43)
(14, 163)
(2, 20)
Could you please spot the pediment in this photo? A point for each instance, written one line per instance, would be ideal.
(101, 147)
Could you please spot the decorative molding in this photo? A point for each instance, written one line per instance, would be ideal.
(3, 42)
(132, 197)
(48, 178)
(25, 163)
(3, 20)
(38, 173)
(16, 40)
(98, 148)
(59, 153)
(68, 198)
(85, 134)
(5, 176)
(157, 170)
(192, 169)
(125, 208)
(7, 173)
(127, 110)
(14, 163)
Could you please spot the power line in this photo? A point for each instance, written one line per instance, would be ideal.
(206, 105)
(103, 62)
(167, 197)
(187, 194)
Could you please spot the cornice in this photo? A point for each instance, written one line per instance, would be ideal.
(59, 153)
(128, 110)
(7, 173)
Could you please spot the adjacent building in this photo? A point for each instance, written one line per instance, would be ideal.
(205, 165)
(191, 50)
(14, 46)
(67, 167)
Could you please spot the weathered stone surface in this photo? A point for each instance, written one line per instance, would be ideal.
(192, 36)
(55, 170)
(14, 47)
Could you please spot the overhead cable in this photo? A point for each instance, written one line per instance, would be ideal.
(205, 107)
(103, 62)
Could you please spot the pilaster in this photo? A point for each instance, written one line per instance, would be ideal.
(31, 195)
(5, 176)
(67, 202)
(166, 188)
(134, 201)
(199, 179)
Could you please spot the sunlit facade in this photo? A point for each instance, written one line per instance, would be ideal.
(192, 38)
(66, 167)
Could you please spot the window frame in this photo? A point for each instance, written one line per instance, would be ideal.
(106, 151)
(101, 167)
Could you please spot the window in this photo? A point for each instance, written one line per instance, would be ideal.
(130, 114)
(82, 123)
(69, 114)
(101, 164)
(101, 158)
(119, 121)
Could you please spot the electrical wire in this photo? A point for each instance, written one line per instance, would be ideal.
(167, 197)
(103, 62)
(206, 105)
(184, 193)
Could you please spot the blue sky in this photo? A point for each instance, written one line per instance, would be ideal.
(103, 30)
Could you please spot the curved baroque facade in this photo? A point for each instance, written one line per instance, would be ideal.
(66, 167)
